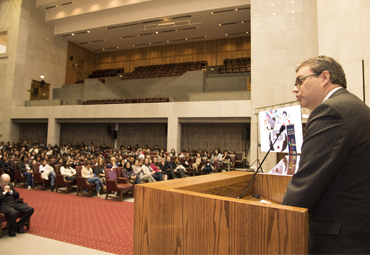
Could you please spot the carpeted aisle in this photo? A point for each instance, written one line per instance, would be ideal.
(90, 222)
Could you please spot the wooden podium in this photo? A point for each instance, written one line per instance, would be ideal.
(201, 215)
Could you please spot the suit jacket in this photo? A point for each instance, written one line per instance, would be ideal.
(333, 180)
(8, 199)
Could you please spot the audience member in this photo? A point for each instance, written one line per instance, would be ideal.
(173, 153)
(67, 171)
(144, 176)
(170, 167)
(147, 169)
(129, 173)
(113, 163)
(26, 170)
(47, 172)
(87, 172)
(7, 167)
(226, 160)
(10, 205)
(198, 161)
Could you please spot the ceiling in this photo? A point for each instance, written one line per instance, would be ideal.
(111, 25)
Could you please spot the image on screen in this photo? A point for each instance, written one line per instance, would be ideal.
(269, 125)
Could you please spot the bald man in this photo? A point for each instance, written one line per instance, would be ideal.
(10, 205)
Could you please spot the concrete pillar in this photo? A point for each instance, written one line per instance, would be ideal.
(173, 134)
(53, 132)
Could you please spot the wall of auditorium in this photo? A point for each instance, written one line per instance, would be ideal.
(39, 52)
(284, 33)
(344, 33)
(10, 12)
(214, 51)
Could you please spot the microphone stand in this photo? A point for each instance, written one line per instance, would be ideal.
(255, 173)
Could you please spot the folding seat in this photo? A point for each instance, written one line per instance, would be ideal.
(82, 182)
(117, 184)
(37, 178)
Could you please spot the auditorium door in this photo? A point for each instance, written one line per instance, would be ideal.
(39, 90)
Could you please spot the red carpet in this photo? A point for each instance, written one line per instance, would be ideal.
(95, 223)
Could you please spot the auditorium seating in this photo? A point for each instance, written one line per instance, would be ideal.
(115, 184)
(127, 100)
(106, 73)
(166, 70)
(237, 65)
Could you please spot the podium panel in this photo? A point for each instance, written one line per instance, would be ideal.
(201, 215)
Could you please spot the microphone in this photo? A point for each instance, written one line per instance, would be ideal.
(282, 128)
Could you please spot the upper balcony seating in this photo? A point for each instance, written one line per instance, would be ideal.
(106, 73)
(166, 70)
(237, 65)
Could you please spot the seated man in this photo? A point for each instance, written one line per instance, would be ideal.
(11, 206)
(113, 163)
(26, 170)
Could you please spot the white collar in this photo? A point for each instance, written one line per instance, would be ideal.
(331, 93)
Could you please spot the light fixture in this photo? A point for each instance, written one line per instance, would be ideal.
(168, 41)
(272, 4)
(205, 37)
(150, 43)
(243, 22)
(186, 39)
(226, 34)
(88, 32)
(236, 10)
(72, 34)
(133, 45)
(219, 25)
(103, 49)
(89, 42)
(156, 32)
(117, 47)
(42, 77)
(247, 32)
(211, 12)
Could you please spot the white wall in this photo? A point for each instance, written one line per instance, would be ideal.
(284, 33)
(344, 34)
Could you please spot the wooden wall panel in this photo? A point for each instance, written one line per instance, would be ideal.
(33, 131)
(209, 136)
(150, 134)
(85, 133)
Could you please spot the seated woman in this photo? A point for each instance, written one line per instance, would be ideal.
(147, 169)
(198, 161)
(173, 153)
(47, 172)
(217, 155)
(144, 176)
(99, 169)
(146, 150)
(87, 172)
(179, 166)
(67, 171)
(186, 160)
(129, 173)
(156, 167)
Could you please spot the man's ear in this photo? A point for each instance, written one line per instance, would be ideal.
(325, 77)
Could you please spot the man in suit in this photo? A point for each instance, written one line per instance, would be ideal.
(26, 170)
(333, 180)
(10, 205)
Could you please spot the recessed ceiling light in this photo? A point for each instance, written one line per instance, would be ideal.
(89, 42)
(272, 4)
(274, 13)
(205, 37)
(236, 9)
(256, 15)
(226, 34)
(106, 28)
(168, 41)
(138, 35)
(88, 32)
(211, 12)
(186, 39)
(103, 49)
(42, 77)
(133, 45)
(150, 43)
(103, 40)
(219, 25)
(292, 11)
(247, 32)
(117, 47)
(120, 37)
(156, 32)
(56, 5)
(242, 22)
(72, 34)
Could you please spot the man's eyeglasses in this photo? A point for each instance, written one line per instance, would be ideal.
(299, 81)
